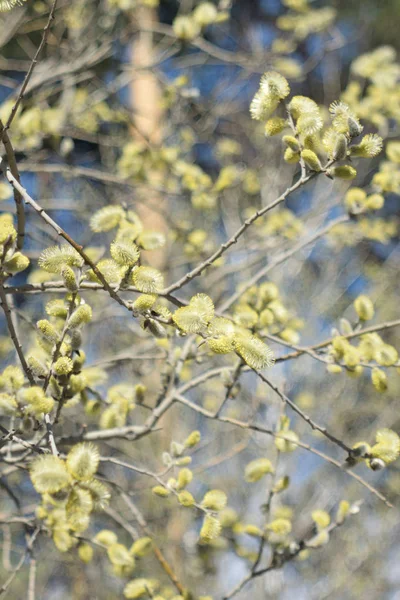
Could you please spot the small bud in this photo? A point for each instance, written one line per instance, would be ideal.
(183, 461)
(286, 442)
(375, 202)
(334, 369)
(386, 355)
(291, 157)
(37, 400)
(125, 254)
(321, 518)
(106, 537)
(57, 308)
(63, 366)
(82, 461)
(66, 146)
(37, 367)
(167, 459)
(311, 160)
(141, 547)
(379, 379)
(185, 28)
(7, 232)
(340, 148)
(193, 439)
(83, 314)
(387, 447)
(291, 143)
(321, 539)
(377, 464)
(343, 511)
(364, 308)
(210, 530)
(140, 588)
(79, 360)
(144, 302)
(279, 526)
(69, 278)
(185, 476)
(345, 172)
(256, 469)
(17, 263)
(281, 485)
(176, 449)
(76, 339)
(205, 14)
(252, 530)
(48, 330)
(49, 474)
(370, 146)
(355, 128)
(274, 126)
(351, 357)
(214, 500)
(85, 553)
(119, 555)
(161, 491)
(140, 391)
(186, 499)
(355, 200)
(172, 483)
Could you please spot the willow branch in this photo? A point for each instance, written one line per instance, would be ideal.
(29, 546)
(349, 336)
(29, 200)
(159, 555)
(280, 259)
(32, 66)
(303, 415)
(19, 205)
(234, 238)
(59, 286)
(255, 427)
(13, 334)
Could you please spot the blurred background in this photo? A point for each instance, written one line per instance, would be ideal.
(120, 111)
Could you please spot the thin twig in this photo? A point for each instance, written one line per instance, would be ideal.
(279, 260)
(303, 415)
(59, 286)
(159, 555)
(29, 200)
(33, 64)
(32, 579)
(255, 427)
(29, 547)
(13, 334)
(19, 205)
(234, 238)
